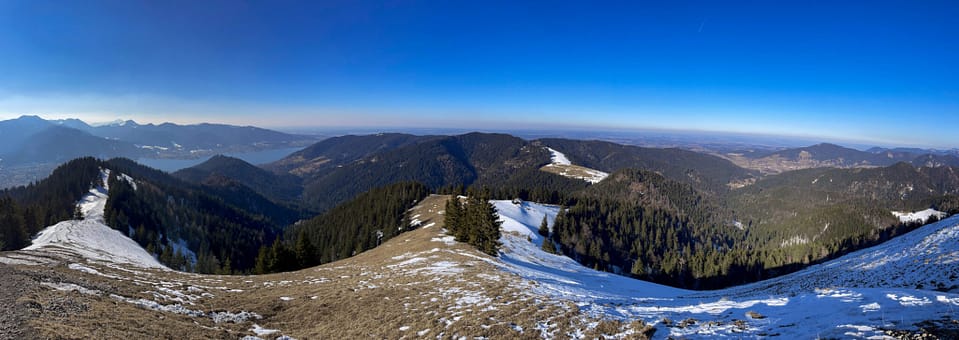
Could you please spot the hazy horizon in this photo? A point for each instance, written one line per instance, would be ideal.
(668, 137)
(878, 73)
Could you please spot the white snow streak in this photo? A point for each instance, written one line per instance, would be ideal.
(558, 158)
(91, 238)
(918, 216)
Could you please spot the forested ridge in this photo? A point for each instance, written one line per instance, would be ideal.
(206, 228)
(707, 173)
(348, 229)
(468, 159)
(218, 169)
(26, 210)
(641, 224)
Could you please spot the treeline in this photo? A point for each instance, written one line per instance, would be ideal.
(948, 204)
(648, 243)
(473, 220)
(533, 185)
(659, 246)
(346, 230)
(26, 210)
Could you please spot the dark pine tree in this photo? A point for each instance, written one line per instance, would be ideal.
(453, 218)
(544, 227)
(305, 251)
(474, 222)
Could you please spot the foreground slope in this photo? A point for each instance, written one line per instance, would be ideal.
(419, 284)
(422, 284)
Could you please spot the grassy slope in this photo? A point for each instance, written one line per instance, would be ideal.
(453, 291)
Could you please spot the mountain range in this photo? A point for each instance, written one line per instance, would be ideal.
(333, 170)
(31, 139)
(832, 155)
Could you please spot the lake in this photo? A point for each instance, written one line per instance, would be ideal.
(256, 157)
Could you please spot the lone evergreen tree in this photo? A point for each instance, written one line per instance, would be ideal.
(544, 227)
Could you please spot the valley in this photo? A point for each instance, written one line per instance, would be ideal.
(31, 147)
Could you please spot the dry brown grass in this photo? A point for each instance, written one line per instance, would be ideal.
(413, 286)
(569, 170)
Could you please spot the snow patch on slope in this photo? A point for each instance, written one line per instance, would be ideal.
(90, 237)
(556, 274)
(517, 217)
(918, 216)
(857, 289)
(181, 247)
(129, 180)
(558, 158)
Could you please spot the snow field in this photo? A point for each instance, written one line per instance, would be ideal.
(862, 291)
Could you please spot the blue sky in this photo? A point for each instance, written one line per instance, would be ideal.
(874, 71)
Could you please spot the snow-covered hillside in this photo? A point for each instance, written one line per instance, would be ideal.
(854, 296)
(89, 238)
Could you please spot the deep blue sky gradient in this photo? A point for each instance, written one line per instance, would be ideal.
(875, 71)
